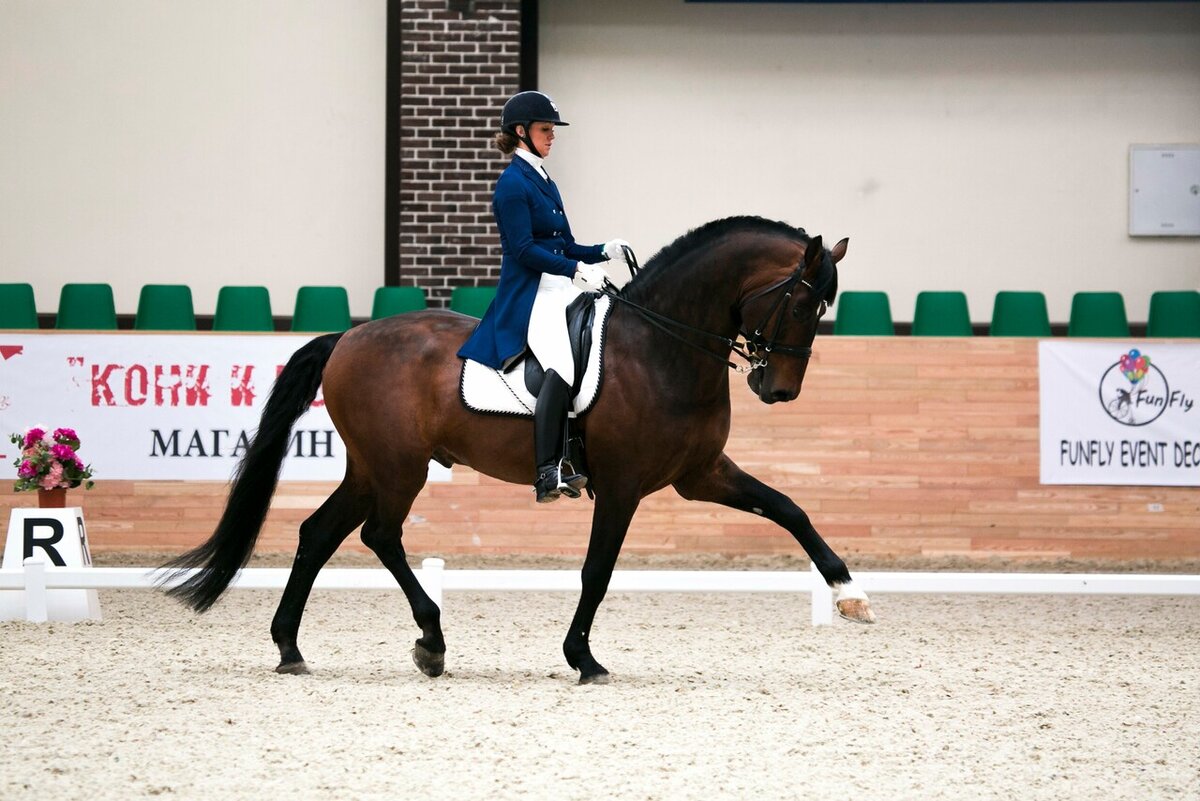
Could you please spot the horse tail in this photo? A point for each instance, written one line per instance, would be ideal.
(254, 480)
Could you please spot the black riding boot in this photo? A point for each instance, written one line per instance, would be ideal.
(550, 442)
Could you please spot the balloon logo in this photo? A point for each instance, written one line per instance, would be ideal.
(1134, 366)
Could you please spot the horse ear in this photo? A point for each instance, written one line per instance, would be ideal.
(812, 253)
(839, 250)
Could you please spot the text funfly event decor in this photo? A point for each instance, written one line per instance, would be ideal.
(163, 406)
(1120, 412)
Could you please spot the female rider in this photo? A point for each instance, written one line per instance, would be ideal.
(540, 269)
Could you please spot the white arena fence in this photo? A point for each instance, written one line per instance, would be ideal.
(35, 578)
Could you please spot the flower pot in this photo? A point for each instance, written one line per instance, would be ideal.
(53, 498)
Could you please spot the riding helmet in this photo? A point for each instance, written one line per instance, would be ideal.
(526, 107)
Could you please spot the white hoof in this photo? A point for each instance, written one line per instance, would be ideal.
(852, 603)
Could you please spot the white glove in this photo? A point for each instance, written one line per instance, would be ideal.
(590, 277)
(615, 250)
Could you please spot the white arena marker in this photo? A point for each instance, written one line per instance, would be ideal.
(437, 581)
(35, 590)
(822, 598)
(55, 538)
(431, 577)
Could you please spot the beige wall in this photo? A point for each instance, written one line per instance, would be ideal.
(205, 142)
(974, 146)
(961, 146)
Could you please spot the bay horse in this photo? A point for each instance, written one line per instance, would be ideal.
(661, 419)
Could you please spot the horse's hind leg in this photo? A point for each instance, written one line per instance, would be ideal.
(725, 483)
(383, 534)
(320, 536)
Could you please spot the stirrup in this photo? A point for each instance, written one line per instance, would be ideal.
(551, 483)
(574, 480)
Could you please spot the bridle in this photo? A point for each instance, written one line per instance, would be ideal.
(760, 347)
(756, 348)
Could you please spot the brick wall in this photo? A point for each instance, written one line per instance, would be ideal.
(458, 69)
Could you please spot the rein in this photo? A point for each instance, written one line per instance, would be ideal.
(754, 348)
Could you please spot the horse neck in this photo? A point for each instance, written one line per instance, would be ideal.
(699, 291)
(702, 289)
(696, 292)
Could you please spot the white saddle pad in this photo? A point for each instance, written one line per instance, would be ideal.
(484, 389)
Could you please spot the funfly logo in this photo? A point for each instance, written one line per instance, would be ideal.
(1135, 392)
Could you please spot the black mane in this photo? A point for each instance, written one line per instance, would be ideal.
(707, 234)
(704, 236)
(710, 232)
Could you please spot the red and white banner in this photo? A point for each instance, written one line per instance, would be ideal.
(160, 406)
(1117, 412)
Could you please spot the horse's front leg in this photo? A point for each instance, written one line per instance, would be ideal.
(610, 521)
(725, 483)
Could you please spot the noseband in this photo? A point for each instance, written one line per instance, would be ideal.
(755, 348)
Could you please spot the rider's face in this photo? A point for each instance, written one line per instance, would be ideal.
(542, 134)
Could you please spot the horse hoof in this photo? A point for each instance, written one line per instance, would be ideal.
(292, 668)
(595, 678)
(429, 663)
(856, 610)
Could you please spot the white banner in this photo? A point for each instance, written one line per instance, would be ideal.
(1119, 413)
(160, 406)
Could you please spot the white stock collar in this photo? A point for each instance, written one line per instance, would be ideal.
(534, 161)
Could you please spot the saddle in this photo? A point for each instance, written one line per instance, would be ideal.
(581, 314)
(513, 391)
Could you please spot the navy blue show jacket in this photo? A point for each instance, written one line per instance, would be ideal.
(535, 238)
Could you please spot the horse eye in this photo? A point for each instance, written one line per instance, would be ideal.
(819, 311)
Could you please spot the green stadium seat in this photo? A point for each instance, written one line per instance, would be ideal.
(165, 307)
(86, 307)
(1098, 314)
(941, 314)
(321, 308)
(472, 300)
(1020, 314)
(1174, 314)
(17, 306)
(243, 308)
(863, 314)
(391, 300)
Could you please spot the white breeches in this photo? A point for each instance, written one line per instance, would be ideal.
(548, 325)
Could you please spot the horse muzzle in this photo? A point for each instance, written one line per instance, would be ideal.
(766, 385)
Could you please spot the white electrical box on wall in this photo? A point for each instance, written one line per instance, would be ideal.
(1164, 190)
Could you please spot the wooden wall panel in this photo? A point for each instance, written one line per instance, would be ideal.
(897, 446)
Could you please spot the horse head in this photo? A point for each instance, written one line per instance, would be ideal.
(784, 316)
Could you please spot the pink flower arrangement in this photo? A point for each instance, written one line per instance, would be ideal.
(50, 460)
